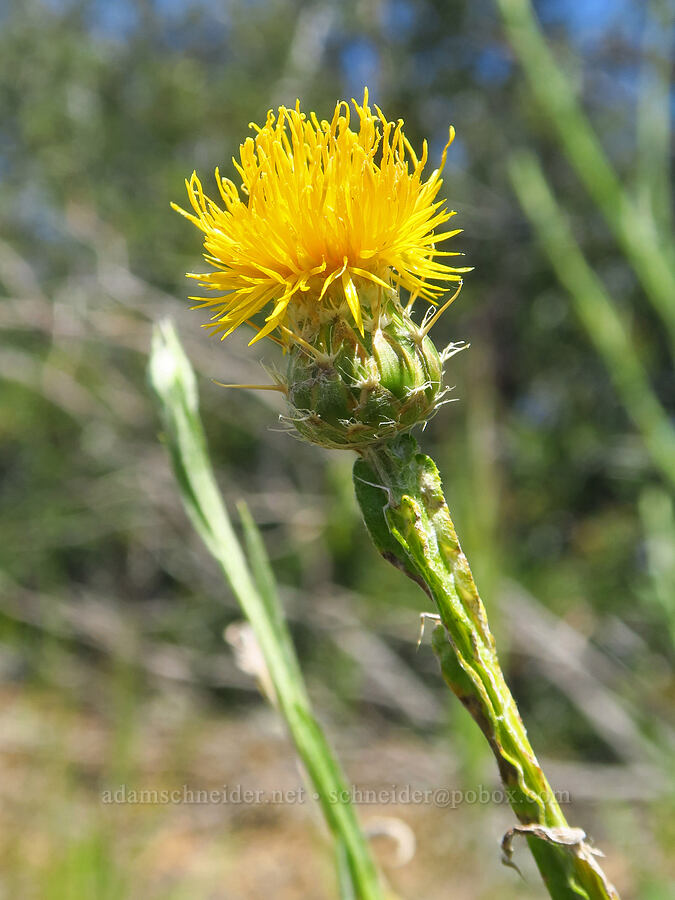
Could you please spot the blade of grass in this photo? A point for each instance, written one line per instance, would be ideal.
(650, 253)
(264, 579)
(603, 324)
(654, 114)
(174, 385)
(657, 512)
(344, 875)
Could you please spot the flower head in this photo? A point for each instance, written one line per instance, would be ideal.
(324, 210)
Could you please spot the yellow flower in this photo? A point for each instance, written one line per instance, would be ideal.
(325, 210)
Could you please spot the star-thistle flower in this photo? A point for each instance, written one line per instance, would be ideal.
(331, 221)
(333, 224)
(322, 208)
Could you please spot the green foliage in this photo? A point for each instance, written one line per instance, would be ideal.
(173, 381)
(550, 481)
(414, 531)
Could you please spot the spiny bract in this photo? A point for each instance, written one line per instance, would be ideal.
(327, 227)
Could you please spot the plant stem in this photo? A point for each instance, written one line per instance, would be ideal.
(650, 251)
(654, 115)
(605, 325)
(401, 497)
(252, 582)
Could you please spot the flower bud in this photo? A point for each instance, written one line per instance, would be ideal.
(357, 389)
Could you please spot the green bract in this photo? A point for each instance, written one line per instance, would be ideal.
(356, 390)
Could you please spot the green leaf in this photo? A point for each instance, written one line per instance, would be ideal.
(252, 581)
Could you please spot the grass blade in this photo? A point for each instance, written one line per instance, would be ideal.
(174, 385)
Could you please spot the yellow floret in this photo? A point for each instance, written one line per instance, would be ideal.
(321, 209)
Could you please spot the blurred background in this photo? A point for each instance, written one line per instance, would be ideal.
(557, 457)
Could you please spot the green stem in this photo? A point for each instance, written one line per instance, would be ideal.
(251, 580)
(654, 192)
(605, 325)
(649, 251)
(401, 497)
